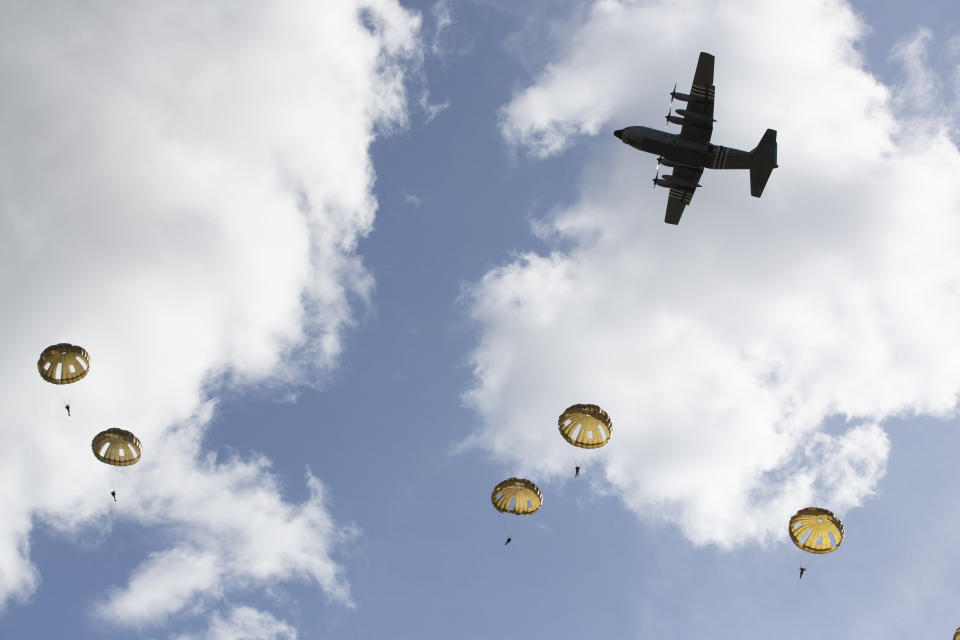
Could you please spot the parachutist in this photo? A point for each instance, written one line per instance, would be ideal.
(114, 494)
(67, 407)
(508, 541)
(576, 473)
(802, 569)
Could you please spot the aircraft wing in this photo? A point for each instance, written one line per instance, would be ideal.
(701, 105)
(680, 196)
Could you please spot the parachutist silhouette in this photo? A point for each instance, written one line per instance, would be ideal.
(114, 494)
(67, 407)
(576, 471)
(508, 541)
(802, 569)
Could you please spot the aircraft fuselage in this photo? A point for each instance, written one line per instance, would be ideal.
(676, 150)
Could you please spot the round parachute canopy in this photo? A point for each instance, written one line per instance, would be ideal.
(117, 447)
(956, 634)
(816, 530)
(586, 426)
(63, 363)
(517, 496)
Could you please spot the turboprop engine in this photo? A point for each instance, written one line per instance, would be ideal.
(674, 165)
(690, 115)
(675, 183)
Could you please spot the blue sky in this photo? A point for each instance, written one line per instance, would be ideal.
(341, 267)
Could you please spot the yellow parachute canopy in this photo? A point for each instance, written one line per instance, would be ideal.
(956, 634)
(117, 447)
(63, 363)
(586, 426)
(517, 496)
(816, 530)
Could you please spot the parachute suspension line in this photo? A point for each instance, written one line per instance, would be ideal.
(55, 391)
(113, 484)
(64, 401)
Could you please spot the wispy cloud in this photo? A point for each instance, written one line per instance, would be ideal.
(432, 109)
(923, 95)
(921, 87)
(412, 200)
(443, 20)
(245, 622)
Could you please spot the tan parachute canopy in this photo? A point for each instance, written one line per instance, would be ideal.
(956, 634)
(517, 496)
(816, 530)
(586, 426)
(117, 447)
(63, 363)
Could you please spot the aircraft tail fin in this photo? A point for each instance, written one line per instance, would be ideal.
(763, 160)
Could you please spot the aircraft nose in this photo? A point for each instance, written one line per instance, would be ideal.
(619, 133)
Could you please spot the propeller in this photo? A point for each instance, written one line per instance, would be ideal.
(669, 113)
(657, 176)
(673, 93)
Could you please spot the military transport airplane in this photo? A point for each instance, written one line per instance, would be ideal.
(690, 152)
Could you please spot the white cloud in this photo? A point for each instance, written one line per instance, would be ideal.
(432, 109)
(721, 347)
(453, 35)
(443, 18)
(246, 623)
(182, 189)
(245, 536)
(412, 200)
(921, 87)
(166, 582)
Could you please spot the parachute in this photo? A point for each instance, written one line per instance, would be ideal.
(586, 426)
(117, 447)
(517, 496)
(816, 530)
(956, 634)
(63, 363)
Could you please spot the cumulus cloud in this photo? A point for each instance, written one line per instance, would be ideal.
(244, 537)
(182, 189)
(748, 356)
